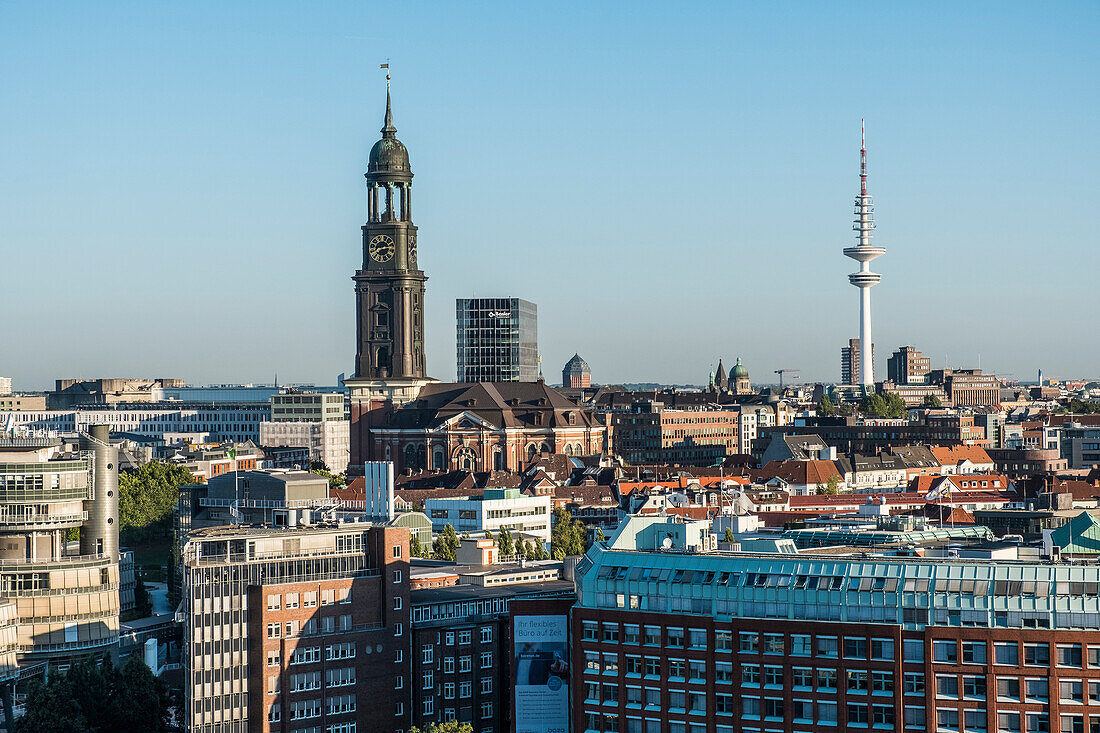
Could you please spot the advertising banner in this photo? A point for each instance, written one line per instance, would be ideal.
(541, 674)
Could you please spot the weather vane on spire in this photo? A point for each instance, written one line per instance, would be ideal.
(386, 66)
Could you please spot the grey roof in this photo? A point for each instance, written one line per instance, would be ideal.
(500, 404)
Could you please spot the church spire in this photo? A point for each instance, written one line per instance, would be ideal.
(388, 130)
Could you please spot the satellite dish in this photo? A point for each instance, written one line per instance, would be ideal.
(666, 543)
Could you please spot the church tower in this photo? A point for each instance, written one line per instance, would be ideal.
(389, 298)
(389, 289)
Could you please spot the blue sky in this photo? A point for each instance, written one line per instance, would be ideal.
(181, 183)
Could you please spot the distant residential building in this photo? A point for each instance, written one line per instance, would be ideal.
(651, 433)
(327, 441)
(5, 386)
(850, 356)
(873, 435)
(22, 402)
(968, 387)
(494, 510)
(238, 423)
(914, 395)
(74, 392)
(1023, 462)
(497, 340)
(299, 406)
(1081, 445)
(576, 374)
(907, 366)
(206, 462)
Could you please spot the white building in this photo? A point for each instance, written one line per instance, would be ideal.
(495, 510)
(238, 423)
(5, 385)
(328, 441)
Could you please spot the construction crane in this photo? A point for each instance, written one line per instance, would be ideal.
(781, 372)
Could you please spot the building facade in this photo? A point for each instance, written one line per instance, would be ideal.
(497, 340)
(238, 423)
(296, 630)
(697, 641)
(907, 366)
(850, 364)
(576, 374)
(494, 510)
(653, 434)
(328, 441)
(66, 598)
(306, 406)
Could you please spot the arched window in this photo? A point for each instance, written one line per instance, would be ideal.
(569, 450)
(498, 459)
(439, 458)
(389, 456)
(410, 457)
(532, 451)
(466, 459)
(546, 450)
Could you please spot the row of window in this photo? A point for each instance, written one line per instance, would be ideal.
(327, 625)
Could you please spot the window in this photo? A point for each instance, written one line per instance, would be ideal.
(882, 715)
(465, 689)
(273, 658)
(773, 676)
(914, 683)
(945, 651)
(912, 650)
(857, 713)
(309, 599)
(723, 641)
(449, 665)
(1038, 722)
(750, 674)
(634, 697)
(274, 713)
(882, 682)
(675, 637)
(1008, 654)
(1071, 691)
(773, 708)
(723, 672)
(803, 711)
(697, 670)
(1037, 655)
(429, 653)
(697, 638)
(676, 669)
(855, 648)
(973, 652)
(914, 717)
(826, 646)
(273, 630)
(465, 636)
(677, 700)
(803, 677)
(610, 662)
(611, 694)
(882, 649)
(633, 665)
(750, 641)
(653, 666)
(630, 633)
(800, 645)
(826, 712)
(973, 687)
(773, 643)
(1008, 688)
(750, 707)
(610, 633)
(487, 660)
(1008, 723)
(397, 550)
(974, 720)
(947, 686)
(273, 603)
(429, 680)
(653, 635)
(1036, 689)
(948, 719)
(465, 664)
(857, 680)
(449, 690)
(396, 576)
(652, 698)
(826, 679)
(724, 704)
(1069, 656)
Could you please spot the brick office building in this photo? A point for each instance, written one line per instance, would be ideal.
(686, 640)
(462, 659)
(651, 433)
(296, 629)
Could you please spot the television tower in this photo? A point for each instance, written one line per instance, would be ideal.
(864, 279)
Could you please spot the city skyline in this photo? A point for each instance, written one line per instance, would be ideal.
(237, 231)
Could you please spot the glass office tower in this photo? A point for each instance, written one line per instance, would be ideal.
(497, 340)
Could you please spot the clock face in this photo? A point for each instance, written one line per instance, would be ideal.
(381, 248)
(412, 246)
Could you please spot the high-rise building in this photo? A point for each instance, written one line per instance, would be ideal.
(851, 362)
(863, 253)
(497, 340)
(576, 374)
(907, 366)
(296, 628)
(66, 597)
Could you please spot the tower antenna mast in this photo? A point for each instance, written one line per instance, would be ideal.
(864, 279)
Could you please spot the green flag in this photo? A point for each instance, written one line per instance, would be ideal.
(232, 453)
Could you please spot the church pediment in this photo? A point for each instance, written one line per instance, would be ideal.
(467, 421)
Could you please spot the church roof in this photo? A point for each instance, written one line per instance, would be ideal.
(499, 404)
(389, 154)
(738, 370)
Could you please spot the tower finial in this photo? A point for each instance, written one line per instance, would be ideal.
(862, 158)
(388, 129)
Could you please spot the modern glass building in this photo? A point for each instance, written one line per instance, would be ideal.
(497, 340)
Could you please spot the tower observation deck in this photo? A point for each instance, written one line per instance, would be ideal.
(863, 253)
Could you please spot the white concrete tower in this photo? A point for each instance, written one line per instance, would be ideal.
(864, 279)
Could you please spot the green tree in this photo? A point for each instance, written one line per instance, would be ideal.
(931, 401)
(826, 408)
(143, 605)
(729, 535)
(895, 406)
(335, 480)
(831, 487)
(445, 546)
(147, 497)
(567, 535)
(506, 544)
(600, 536)
(452, 726)
(96, 697)
(416, 549)
(873, 405)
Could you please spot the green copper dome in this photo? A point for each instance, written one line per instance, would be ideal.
(738, 370)
(389, 154)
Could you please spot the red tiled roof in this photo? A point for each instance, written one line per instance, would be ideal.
(908, 498)
(707, 482)
(961, 482)
(952, 455)
(797, 472)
